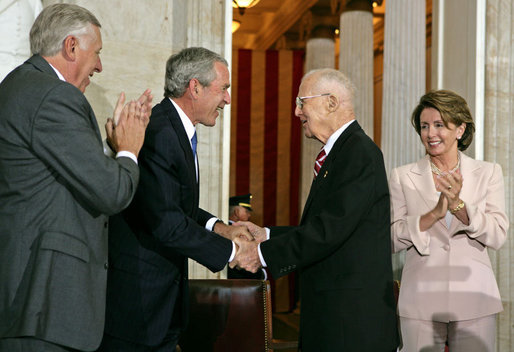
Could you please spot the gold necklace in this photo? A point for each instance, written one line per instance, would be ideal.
(440, 173)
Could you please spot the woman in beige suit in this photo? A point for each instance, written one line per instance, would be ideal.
(447, 209)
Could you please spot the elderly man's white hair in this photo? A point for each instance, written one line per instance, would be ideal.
(329, 76)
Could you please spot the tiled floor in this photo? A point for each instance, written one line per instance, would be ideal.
(285, 327)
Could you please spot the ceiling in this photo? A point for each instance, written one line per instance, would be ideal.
(287, 24)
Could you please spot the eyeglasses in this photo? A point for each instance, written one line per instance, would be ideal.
(299, 100)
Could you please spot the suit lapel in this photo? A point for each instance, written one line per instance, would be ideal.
(331, 157)
(421, 177)
(184, 144)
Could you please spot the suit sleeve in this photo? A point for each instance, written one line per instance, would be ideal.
(65, 136)
(164, 203)
(280, 230)
(203, 217)
(405, 230)
(338, 211)
(489, 226)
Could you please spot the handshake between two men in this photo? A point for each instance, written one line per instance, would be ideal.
(247, 236)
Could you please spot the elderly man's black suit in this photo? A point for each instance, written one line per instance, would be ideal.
(342, 251)
(149, 243)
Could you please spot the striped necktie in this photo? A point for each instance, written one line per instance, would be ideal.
(319, 161)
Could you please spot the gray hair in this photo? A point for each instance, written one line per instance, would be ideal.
(190, 63)
(55, 23)
(329, 75)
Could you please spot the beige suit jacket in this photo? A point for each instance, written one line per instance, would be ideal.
(447, 274)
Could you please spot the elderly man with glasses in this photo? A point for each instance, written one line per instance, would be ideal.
(341, 248)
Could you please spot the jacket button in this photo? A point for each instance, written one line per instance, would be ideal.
(106, 265)
(446, 247)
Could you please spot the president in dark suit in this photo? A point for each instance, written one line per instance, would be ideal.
(342, 246)
(57, 187)
(150, 242)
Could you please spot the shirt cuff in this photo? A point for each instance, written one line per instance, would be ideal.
(233, 252)
(209, 225)
(107, 149)
(263, 263)
(124, 153)
(265, 274)
(267, 233)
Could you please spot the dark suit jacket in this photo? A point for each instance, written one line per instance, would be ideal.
(342, 251)
(149, 243)
(55, 187)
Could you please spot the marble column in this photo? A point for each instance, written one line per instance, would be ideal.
(207, 23)
(137, 41)
(16, 18)
(404, 80)
(356, 57)
(319, 53)
(404, 84)
(458, 44)
(499, 143)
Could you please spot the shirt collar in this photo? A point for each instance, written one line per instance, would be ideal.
(61, 77)
(333, 138)
(186, 122)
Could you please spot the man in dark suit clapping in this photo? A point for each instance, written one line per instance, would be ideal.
(342, 246)
(57, 187)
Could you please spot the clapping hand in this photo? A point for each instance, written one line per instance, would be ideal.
(450, 185)
(126, 129)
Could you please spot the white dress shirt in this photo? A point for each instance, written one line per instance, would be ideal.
(190, 131)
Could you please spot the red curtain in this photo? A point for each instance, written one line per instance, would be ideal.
(266, 141)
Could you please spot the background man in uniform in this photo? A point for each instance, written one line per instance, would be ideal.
(240, 208)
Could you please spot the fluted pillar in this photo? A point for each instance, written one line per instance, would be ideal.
(458, 44)
(137, 41)
(356, 57)
(499, 143)
(319, 53)
(404, 80)
(207, 23)
(404, 84)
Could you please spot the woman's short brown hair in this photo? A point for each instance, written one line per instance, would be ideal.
(452, 107)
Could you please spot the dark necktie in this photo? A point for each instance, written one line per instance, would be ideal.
(319, 161)
(193, 143)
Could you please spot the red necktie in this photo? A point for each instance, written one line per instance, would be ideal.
(319, 162)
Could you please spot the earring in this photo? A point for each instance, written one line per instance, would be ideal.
(459, 137)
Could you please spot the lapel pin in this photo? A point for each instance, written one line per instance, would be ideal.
(325, 175)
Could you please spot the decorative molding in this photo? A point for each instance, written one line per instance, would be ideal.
(279, 23)
(305, 26)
